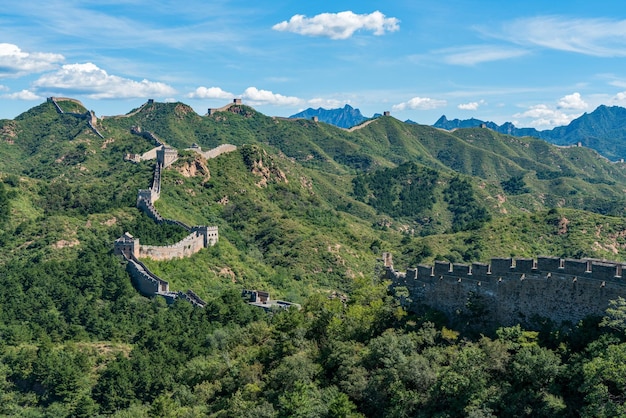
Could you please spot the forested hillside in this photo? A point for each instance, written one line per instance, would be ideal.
(304, 211)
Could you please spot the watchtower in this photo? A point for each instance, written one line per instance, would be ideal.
(127, 245)
(166, 155)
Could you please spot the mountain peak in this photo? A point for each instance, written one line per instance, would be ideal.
(345, 117)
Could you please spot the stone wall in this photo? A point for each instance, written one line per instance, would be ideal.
(508, 291)
(214, 152)
(128, 247)
(147, 283)
(187, 247)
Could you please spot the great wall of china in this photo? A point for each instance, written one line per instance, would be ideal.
(199, 237)
(508, 291)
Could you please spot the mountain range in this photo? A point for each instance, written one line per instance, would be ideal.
(603, 130)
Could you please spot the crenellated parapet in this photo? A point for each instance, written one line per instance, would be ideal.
(514, 290)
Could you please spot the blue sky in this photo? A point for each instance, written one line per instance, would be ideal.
(534, 63)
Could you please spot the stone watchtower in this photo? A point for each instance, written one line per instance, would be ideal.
(166, 155)
(127, 245)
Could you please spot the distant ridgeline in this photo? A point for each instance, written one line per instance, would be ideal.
(507, 292)
(129, 247)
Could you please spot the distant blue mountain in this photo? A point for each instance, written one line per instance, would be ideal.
(345, 117)
(506, 128)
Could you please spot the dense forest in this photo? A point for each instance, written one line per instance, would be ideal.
(64, 355)
(304, 210)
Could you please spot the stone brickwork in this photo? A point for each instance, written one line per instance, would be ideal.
(187, 247)
(509, 291)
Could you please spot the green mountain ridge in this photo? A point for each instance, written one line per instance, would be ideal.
(308, 190)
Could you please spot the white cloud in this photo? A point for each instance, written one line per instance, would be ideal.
(93, 82)
(340, 25)
(596, 37)
(210, 93)
(15, 62)
(261, 97)
(619, 97)
(572, 101)
(22, 95)
(542, 116)
(327, 103)
(473, 55)
(421, 103)
(471, 105)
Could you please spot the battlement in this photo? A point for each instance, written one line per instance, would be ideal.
(514, 290)
(599, 270)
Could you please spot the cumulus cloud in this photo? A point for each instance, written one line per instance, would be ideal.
(89, 80)
(327, 103)
(596, 37)
(14, 62)
(477, 54)
(210, 93)
(263, 97)
(471, 105)
(340, 25)
(22, 95)
(619, 97)
(421, 103)
(543, 116)
(572, 101)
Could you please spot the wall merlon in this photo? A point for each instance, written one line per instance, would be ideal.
(424, 272)
(524, 265)
(576, 267)
(501, 265)
(551, 264)
(461, 269)
(480, 269)
(604, 271)
(442, 268)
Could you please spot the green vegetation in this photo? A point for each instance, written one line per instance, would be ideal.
(303, 209)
